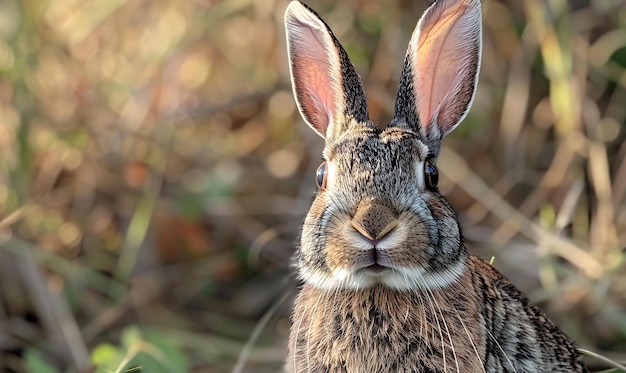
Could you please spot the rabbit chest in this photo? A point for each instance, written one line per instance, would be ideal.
(385, 330)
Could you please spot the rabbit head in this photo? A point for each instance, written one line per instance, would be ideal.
(378, 218)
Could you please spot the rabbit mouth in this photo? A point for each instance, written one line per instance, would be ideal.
(373, 275)
(376, 262)
(375, 269)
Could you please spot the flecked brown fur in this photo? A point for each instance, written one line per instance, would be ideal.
(388, 283)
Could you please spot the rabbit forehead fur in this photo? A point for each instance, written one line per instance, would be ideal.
(370, 168)
(365, 158)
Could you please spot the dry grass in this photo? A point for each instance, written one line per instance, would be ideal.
(154, 172)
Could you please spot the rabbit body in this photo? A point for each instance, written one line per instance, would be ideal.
(388, 283)
(480, 323)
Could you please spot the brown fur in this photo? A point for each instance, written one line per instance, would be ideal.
(384, 330)
(446, 330)
(389, 285)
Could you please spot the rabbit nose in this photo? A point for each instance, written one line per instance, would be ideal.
(374, 220)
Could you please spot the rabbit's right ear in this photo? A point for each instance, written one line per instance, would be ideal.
(328, 90)
(440, 72)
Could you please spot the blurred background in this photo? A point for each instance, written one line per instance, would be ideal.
(154, 172)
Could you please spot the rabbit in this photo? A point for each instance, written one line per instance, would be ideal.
(387, 283)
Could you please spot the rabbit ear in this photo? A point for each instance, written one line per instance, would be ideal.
(440, 72)
(328, 90)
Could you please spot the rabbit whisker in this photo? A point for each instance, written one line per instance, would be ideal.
(495, 341)
(471, 340)
(445, 324)
(434, 313)
(502, 350)
(295, 342)
(424, 322)
(308, 338)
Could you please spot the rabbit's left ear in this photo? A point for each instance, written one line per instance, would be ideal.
(440, 72)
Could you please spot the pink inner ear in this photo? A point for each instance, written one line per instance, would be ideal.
(445, 62)
(315, 93)
(315, 78)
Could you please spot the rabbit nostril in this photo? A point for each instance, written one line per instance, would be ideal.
(373, 242)
(387, 229)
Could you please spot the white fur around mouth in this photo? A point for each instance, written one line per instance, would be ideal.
(400, 278)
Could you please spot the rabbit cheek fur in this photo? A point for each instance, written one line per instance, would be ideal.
(388, 284)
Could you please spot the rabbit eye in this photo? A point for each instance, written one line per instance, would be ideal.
(431, 176)
(321, 176)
